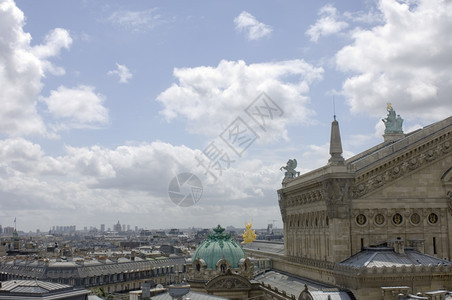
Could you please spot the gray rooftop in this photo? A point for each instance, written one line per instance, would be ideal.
(27, 289)
(380, 257)
(191, 295)
(17, 285)
(81, 269)
(295, 285)
(265, 246)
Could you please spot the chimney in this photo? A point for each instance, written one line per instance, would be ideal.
(398, 245)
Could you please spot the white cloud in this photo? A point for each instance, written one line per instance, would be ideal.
(367, 17)
(21, 69)
(80, 106)
(127, 182)
(19, 156)
(210, 98)
(248, 23)
(405, 61)
(135, 20)
(327, 24)
(123, 72)
(56, 40)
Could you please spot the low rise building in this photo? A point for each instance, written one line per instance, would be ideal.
(113, 275)
(35, 289)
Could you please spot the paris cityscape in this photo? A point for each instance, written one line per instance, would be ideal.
(225, 150)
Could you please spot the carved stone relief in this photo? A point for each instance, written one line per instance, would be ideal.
(402, 165)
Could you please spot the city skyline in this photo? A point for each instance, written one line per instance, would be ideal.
(105, 105)
(6, 230)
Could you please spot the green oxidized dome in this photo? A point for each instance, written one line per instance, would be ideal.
(217, 246)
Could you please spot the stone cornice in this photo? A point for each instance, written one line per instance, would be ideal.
(313, 263)
(411, 270)
(341, 269)
(398, 166)
(305, 197)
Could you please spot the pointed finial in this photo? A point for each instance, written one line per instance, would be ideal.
(334, 109)
(335, 145)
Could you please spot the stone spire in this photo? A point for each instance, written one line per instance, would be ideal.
(335, 145)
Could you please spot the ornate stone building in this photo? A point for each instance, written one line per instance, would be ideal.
(219, 267)
(113, 275)
(380, 219)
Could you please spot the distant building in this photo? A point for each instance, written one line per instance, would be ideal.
(169, 249)
(63, 229)
(113, 275)
(8, 230)
(174, 231)
(117, 227)
(145, 232)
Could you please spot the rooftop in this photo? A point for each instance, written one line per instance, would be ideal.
(191, 295)
(23, 289)
(295, 285)
(385, 256)
(265, 246)
(218, 246)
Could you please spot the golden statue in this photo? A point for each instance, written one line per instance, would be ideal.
(248, 235)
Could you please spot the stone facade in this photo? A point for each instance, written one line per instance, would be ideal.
(399, 190)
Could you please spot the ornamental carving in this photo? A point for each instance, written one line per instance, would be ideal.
(336, 194)
(336, 190)
(397, 219)
(433, 218)
(449, 201)
(361, 219)
(228, 282)
(379, 219)
(403, 165)
(415, 219)
(310, 196)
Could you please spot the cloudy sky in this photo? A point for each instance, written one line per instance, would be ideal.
(104, 104)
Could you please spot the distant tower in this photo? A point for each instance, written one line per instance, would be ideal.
(117, 227)
(335, 145)
(102, 227)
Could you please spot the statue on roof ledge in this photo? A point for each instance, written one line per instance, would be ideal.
(290, 169)
(392, 122)
(249, 235)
